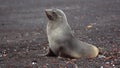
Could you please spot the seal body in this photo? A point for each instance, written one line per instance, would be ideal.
(62, 41)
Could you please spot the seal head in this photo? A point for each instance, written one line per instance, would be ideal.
(55, 14)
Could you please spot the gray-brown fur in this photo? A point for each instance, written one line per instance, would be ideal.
(61, 39)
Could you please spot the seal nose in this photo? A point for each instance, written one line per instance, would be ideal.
(49, 14)
(48, 11)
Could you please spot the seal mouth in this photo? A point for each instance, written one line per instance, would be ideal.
(49, 15)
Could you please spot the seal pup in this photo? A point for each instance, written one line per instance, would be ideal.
(62, 41)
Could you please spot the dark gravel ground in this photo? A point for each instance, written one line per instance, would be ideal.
(23, 39)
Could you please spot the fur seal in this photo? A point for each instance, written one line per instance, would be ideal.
(62, 41)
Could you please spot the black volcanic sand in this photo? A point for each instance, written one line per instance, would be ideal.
(23, 39)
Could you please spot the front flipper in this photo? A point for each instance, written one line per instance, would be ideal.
(50, 53)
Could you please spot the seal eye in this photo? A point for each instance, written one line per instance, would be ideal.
(54, 15)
